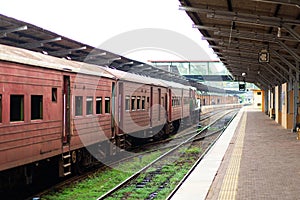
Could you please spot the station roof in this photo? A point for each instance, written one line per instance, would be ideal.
(20, 34)
(256, 38)
(17, 33)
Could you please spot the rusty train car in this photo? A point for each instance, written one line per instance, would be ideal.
(63, 115)
(217, 99)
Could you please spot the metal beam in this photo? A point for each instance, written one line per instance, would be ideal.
(239, 52)
(261, 67)
(275, 75)
(274, 69)
(3, 33)
(39, 43)
(261, 82)
(281, 67)
(211, 39)
(283, 2)
(290, 51)
(242, 17)
(266, 79)
(240, 58)
(249, 46)
(253, 36)
(218, 30)
(246, 18)
(285, 61)
(110, 60)
(66, 51)
(292, 32)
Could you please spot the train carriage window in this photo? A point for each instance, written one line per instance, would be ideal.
(54, 94)
(99, 105)
(107, 105)
(132, 103)
(78, 105)
(173, 101)
(127, 103)
(186, 100)
(36, 107)
(143, 103)
(0, 108)
(16, 108)
(89, 105)
(138, 103)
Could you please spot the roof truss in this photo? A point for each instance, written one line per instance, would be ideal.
(238, 30)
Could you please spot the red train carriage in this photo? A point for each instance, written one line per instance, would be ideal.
(149, 107)
(44, 101)
(179, 103)
(64, 115)
(210, 99)
(142, 104)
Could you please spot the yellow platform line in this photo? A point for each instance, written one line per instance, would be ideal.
(230, 182)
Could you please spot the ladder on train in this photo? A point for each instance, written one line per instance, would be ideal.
(65, 164)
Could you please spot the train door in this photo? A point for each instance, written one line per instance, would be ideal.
(113, 103)
(166, 106)
(66, 111)
(121, 107)
(160, 103)
(170, 105)
(182, 103)
(151, 105)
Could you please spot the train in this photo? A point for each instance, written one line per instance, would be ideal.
(61, 116)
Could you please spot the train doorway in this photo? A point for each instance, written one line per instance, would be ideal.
(66, 111)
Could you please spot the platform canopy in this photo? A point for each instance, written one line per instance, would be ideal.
(24, 35)
(21, 34)
(257, 40)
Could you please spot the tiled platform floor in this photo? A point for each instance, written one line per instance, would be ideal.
(262, 161)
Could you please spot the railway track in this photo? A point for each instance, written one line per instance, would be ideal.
(144, 176)
(164, 147)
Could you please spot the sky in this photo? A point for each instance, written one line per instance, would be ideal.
(103, 24)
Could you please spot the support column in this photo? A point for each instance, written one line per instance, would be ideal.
(296, 94)
(266, 96)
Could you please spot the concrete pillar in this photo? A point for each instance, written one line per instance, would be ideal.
(296, 94)
(278, 104)
(266, 96)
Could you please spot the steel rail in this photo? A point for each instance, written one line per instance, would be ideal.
(135, 175)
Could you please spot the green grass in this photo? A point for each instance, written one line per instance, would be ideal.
(171, 174)
(191, 150)
(100, 183)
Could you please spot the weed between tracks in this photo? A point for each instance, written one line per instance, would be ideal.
(159, 182)
(156, 183)
(99, 183)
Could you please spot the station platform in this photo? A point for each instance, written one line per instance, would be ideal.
(255, 158)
